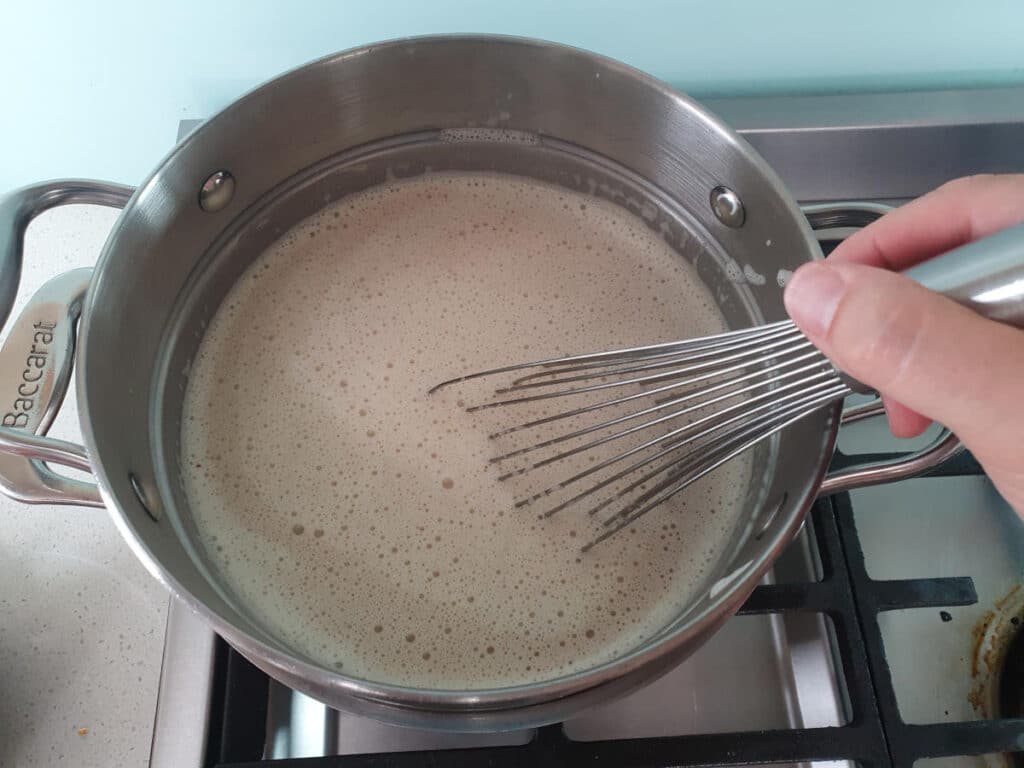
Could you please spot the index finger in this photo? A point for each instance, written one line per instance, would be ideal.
(956, 213)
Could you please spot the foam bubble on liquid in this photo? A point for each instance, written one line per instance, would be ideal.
(358, 519)
(752, 276)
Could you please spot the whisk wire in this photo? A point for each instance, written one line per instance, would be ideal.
(618, 353)
(755, 435)
(714, 367)
(762, 362)
(698, 404)
(601, 369)
(685, 435)
(730, 391)
(741, 430)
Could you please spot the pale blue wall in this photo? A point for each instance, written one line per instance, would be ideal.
(97, 88)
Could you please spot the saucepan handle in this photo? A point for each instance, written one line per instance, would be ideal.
(37, 357)
(945, 446)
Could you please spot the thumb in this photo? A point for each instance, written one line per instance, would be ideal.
(917, 347)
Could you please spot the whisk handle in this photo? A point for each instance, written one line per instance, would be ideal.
(986, 275)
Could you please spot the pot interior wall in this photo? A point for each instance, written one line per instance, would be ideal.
(478, 150)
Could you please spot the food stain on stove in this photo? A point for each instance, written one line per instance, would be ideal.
(980, 657)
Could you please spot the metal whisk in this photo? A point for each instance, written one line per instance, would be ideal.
(681, 409)
(671, 413)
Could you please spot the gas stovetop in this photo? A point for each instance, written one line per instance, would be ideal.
(874, 638)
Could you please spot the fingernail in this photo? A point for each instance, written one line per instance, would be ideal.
(812, 297)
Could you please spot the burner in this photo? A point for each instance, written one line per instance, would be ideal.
(1011, 682)
(997, 664)
(1011, 679)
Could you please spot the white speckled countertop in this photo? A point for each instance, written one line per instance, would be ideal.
(81, 622)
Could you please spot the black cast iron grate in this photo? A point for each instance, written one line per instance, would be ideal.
(875, 736)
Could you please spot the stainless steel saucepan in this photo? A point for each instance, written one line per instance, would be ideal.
(331, 128)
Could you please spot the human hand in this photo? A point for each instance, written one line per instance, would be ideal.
(929, 357)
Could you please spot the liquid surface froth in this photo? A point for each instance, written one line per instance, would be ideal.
(357, 519)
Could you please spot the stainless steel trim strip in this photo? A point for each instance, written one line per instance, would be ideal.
(831, 147)
(186, 682)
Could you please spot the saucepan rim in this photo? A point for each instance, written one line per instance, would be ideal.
(471, 701)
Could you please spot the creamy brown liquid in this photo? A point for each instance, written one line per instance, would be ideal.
(358, 519)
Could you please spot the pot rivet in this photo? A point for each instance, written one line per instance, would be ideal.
(217, 191)
(728, 207)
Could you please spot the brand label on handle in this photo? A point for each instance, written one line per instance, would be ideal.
(36, 358)
(36, 377)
